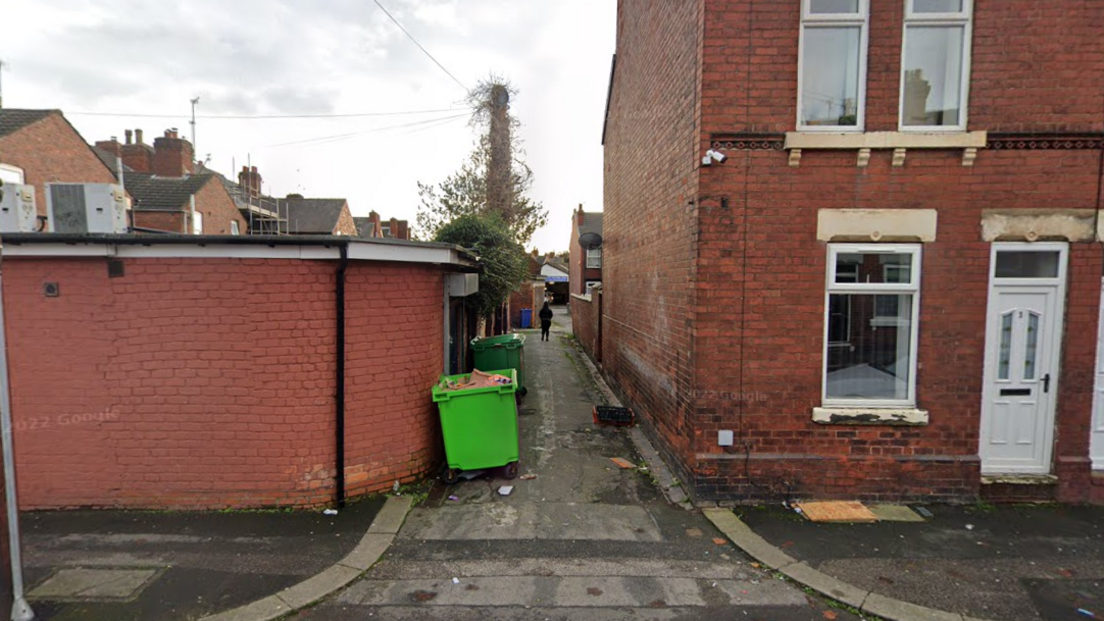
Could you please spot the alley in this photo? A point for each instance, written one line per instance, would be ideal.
(584, 539)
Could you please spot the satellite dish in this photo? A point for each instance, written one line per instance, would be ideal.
(590, 241)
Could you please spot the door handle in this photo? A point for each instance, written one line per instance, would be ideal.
(1046, 383)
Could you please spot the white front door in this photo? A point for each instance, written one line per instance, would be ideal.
(1097, 448)
(1022, 353)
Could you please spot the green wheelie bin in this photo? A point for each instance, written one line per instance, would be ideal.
(502, 352)
(479, 425)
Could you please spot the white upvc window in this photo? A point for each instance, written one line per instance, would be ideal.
(935, 65)
(872, 304)
(234, 230)
(831, 75)
(594, 258)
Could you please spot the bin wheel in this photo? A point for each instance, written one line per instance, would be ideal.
(512, 470)
(524, 391)
(449, 476)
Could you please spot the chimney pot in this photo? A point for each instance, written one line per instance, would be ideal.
(128, 133)
(138, 136)
(254, 169)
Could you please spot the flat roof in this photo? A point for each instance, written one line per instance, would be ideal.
(175, 245)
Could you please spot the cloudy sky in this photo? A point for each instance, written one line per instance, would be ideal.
(288, 57)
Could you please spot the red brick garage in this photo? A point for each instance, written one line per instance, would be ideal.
(203, 372)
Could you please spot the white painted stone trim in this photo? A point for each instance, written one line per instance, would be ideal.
(887, 140)
(1074, 225)
(869, 416)
(865, 225)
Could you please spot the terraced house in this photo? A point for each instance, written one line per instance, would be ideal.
(851, 247)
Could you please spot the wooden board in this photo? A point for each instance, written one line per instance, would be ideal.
(837, 511)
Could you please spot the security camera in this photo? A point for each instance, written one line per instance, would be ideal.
(716, 156)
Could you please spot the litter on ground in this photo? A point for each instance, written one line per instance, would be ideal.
(624, 463)
(505, 490)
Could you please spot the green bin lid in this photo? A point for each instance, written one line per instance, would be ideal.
(509, 341)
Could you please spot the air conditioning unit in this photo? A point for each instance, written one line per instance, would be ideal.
(18, 211)
(86, 208)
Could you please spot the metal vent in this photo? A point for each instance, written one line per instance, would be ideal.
(69, 212)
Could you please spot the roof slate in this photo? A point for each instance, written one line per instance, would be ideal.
(312, 215)
(163, 193)
(109, 160)
(15, 119)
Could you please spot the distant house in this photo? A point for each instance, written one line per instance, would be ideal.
(585, 264)
(556, 276)
(168, 194)
(40, 146)
(373, 226)
(317, 216)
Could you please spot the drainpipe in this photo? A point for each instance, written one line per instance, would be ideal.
(21, 610)
(339, 477)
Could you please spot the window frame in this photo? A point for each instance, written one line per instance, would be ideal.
(872, 289)
(828, 20)
(589, 257)
(965, 19)
(235, 228)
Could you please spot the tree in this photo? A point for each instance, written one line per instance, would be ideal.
(494, 179)
(505, 264)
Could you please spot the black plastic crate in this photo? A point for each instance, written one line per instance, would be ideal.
(608, 415)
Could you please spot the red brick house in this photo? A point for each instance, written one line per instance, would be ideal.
(168, 194)
(317, 216)
(373, 226)
(851, 246)
(584, 264)
(226, 371)
(41, 147)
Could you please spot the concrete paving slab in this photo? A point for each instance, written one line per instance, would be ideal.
(318, 586)
(368, 551)
(390, 518)
(94, 584)
(825, 584)
(572, 592)
(895, 513)
(533, 520)
(897, 610)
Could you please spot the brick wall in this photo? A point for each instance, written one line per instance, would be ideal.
(345, 223)
(49, 151)
(173, 221)
(756, 312)
(210, 382)
(585, 315)
(530, 295)
(651, 150)
(219, 210)
(394, 341)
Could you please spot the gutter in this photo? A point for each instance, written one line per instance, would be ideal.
(339, 397)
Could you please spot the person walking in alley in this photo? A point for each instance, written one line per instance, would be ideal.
(546, 320)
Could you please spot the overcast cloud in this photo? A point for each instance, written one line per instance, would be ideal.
(250, 57)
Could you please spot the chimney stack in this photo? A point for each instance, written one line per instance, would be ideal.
(111, 146)
(250, 181)
(137, 156)
(580, 217)
(172, 155)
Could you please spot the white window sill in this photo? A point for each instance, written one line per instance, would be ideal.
(855, 415)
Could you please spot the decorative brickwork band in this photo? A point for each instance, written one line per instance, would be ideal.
(748, 142)
(1046, 142)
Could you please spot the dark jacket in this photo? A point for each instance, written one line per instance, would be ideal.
(546, 314)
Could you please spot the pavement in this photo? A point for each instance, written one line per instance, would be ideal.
(578, 538)
(1010, 562)
(136, 565)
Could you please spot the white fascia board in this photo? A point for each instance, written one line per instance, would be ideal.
(59, 250)
(402, 254)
